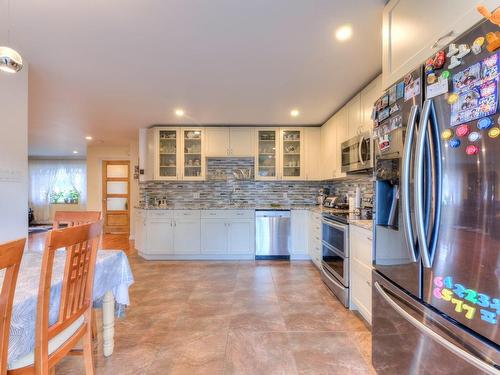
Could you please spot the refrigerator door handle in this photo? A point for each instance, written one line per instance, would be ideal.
(419, 184)
(405, 184)
(477, 362)
(437, 183)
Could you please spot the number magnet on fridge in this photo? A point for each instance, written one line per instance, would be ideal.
(463, 50)
(447, 134)
(485, 123)
(494, 132)
(452, 50)
(474, 137)
(471, 150)
(462, 130)
(476, 46)
(493, 39)
(454, 62)
(452, 98)
(454, 143)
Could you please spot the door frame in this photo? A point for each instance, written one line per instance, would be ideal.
(105, 179)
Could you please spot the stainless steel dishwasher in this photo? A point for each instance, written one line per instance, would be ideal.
(272, 232)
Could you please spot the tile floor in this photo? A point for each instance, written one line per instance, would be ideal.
(231, 318)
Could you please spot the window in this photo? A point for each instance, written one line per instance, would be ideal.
(56, 182)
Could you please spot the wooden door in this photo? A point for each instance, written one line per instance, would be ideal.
(116, 196)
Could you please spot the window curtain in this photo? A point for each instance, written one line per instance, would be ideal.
(47, 175)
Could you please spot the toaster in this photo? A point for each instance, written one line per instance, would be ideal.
(335, 201)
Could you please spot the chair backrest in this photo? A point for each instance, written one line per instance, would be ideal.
(72, 218)
(11, 254)
(80, 243)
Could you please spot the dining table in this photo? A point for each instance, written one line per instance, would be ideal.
(112, 279)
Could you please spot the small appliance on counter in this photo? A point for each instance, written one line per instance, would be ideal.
(336, 201)
(322, 195)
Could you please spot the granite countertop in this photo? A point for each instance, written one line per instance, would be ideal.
(234, 207)
(353, 220)
(365, 224)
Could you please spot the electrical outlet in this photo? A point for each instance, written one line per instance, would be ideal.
(285, 195)
(196, 195)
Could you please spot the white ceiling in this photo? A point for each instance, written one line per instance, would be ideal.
(107, 68)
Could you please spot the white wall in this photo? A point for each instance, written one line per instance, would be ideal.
(95, 157)
(13, 155)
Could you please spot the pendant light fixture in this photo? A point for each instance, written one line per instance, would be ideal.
(10, 60)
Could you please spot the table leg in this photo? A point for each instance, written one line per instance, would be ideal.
(108, 323)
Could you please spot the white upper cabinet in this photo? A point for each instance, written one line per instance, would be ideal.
(147, 154)
(241, 142)
(414, 30)
(234, 142)
(368, 97)
(193, 162)
(267, 154)
(217, 141)
(353, 117)
(313, 153)
(341, 135)
(167, 156)
(329, 154)
(292, 154)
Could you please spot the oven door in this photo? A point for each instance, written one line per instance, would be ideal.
(356, 154)
(335, 235)
(336, 264)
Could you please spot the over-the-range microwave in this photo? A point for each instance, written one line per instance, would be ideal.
(356, 154)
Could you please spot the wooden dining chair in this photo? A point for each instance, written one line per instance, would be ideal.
(11, 254)
(72, 218)
(54, 342)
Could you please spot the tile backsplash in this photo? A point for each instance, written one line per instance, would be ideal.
(222, 188)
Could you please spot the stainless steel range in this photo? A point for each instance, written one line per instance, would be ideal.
(335, 257)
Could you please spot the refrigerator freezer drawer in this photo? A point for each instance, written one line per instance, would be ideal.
(410, 338)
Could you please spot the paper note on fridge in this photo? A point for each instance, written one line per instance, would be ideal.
(439, 88)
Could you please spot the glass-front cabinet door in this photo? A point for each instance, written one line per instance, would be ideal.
(266, 161)
(292, 154)
(167, 154)
(193, 154)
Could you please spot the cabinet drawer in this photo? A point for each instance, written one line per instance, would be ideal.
(161, 214)
(187, 213)
(214, 214)
(361, 245)
(361, 288)
(241, 214)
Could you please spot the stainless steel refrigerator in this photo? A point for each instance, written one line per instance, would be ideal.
(436, 278)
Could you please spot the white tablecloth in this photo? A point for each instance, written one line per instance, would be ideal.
(112, 273)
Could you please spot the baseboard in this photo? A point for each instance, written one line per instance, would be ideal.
(196, 256)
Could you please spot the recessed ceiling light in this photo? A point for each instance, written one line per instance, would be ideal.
(294, 112)
(75, 152)
(343, 33)
(88, 138)
(179, 112)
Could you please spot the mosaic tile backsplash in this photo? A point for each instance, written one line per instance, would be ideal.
(223, 188)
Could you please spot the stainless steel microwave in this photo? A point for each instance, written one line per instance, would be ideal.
(356, 154)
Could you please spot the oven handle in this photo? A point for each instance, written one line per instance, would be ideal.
(332, 279)
(335, 250)
(333, 224)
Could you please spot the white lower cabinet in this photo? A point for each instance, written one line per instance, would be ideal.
(361, 271)
(187, 236)
(214, 236)
(299, 227)
(160, 236)
(315, 238)
(241, 236)
(194, 234)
